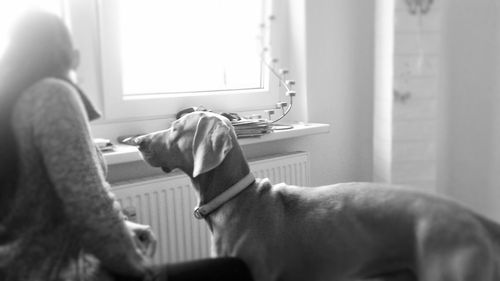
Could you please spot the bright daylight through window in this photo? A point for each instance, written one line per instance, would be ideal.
(151, 58)
(189, 46)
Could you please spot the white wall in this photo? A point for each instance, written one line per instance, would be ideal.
(383, 88)
(470, 169)
(340, 63)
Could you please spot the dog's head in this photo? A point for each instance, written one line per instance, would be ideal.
(196, 143)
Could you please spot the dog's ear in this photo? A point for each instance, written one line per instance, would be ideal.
(211, 143)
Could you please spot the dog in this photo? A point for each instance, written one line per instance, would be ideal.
(345, 231)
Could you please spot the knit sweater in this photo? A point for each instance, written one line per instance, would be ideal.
(64, 218)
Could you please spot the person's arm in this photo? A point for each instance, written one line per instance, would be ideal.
(63, 138)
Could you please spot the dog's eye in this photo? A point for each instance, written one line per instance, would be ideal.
(175, 131)
(175, 126)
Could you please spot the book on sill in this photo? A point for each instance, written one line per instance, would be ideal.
(104, 145)
(247, 128)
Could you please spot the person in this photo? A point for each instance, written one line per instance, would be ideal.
(58, 217)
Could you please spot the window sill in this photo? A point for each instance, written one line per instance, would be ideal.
(126, 153)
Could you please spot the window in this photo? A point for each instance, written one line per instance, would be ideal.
(189, 46)
(144, 60)
(160, 56)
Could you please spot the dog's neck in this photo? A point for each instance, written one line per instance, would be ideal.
(229, 172)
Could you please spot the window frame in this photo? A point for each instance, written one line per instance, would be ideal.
(101, 74)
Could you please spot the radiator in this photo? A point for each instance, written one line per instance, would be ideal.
(167, 205)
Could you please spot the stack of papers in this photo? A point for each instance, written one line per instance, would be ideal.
(104, 144)
(247, 128)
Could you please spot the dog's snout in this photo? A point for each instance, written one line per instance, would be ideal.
(142, 142)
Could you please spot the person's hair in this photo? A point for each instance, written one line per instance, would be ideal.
(39, 47)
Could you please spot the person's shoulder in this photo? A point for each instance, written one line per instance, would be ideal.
(52, 90)
(52, 86)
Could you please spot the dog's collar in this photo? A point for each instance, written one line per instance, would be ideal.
(202, 211)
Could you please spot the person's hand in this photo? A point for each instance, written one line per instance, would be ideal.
(143, 236)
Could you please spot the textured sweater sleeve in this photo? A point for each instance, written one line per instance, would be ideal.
(63, 138)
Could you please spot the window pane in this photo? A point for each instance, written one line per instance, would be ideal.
(175, 46)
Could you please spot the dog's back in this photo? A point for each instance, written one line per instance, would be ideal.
(359, 229)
